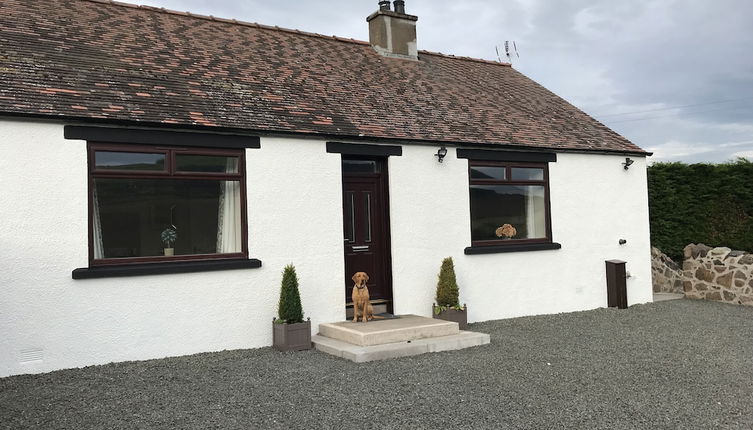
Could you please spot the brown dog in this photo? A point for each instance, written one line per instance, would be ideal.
(360, 298)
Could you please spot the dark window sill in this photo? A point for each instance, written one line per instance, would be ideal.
(495, 249)
(163, 268)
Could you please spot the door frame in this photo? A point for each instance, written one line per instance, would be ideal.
(384, 191)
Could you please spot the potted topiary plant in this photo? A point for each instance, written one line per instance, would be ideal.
(168, 236)
(448, 306)
(289, 331)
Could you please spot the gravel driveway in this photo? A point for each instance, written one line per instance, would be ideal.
(674, 364)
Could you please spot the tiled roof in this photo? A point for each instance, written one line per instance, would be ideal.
(91, 59)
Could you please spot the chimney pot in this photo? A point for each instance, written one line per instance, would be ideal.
(400, 6)
(384, 5)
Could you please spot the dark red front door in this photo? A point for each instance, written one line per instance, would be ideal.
(366, 227)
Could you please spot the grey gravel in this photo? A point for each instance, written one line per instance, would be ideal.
(674, 364)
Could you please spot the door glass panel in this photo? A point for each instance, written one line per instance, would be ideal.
(527, 174)
(206, 163)
(359, 166)
(350, 217)
(367, 216)
(112, 160)
(488, 172)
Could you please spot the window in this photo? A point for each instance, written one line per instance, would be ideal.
(509, 203)
(152, 204)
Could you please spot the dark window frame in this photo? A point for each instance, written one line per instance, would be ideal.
(509, 165)
(169, 173)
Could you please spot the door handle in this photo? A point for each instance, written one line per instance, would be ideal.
(360, 248)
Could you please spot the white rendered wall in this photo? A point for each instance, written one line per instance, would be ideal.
(294, 192)
(295, 216)
(594, 203)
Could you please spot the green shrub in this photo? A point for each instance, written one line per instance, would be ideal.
(447, 286)
(289, 309)
(708, 203)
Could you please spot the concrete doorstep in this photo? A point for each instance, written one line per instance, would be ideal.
(376, 332)
(362, 354)
(401, 337)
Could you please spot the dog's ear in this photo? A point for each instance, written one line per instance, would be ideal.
(366, 275)
(355, 277)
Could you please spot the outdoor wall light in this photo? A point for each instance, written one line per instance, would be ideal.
(628, 162)
(441, 153)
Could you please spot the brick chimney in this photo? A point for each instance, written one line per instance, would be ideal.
(393, 33)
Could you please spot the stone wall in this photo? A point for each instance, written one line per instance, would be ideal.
(718, 274)
(666, 274)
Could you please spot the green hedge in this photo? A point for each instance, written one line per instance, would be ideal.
(708, 203)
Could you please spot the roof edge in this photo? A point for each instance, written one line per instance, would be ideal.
(110, 122)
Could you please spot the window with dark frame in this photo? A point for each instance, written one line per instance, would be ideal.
(158, 204)
(509, 203)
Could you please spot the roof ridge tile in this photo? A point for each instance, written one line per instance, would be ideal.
(278, 28)
(461, 57)
(227, 20)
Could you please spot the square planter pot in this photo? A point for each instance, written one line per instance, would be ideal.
(291, 337)
(460, 317)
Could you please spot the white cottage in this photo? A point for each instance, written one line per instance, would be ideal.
(160, 168)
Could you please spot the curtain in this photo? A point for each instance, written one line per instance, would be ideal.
(531, 214)
(535, 213)
(229, 213)
(99, 250)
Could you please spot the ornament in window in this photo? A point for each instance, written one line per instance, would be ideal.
(506, 231)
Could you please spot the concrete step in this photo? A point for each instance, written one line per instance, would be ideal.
(660, 297)
(362, 354)
(378, 332)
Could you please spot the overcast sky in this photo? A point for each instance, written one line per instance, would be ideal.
(673, 76)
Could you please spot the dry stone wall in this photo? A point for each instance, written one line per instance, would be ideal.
(719, 274)
(666, 274)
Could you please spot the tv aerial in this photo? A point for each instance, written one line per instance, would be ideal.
(508, 53)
